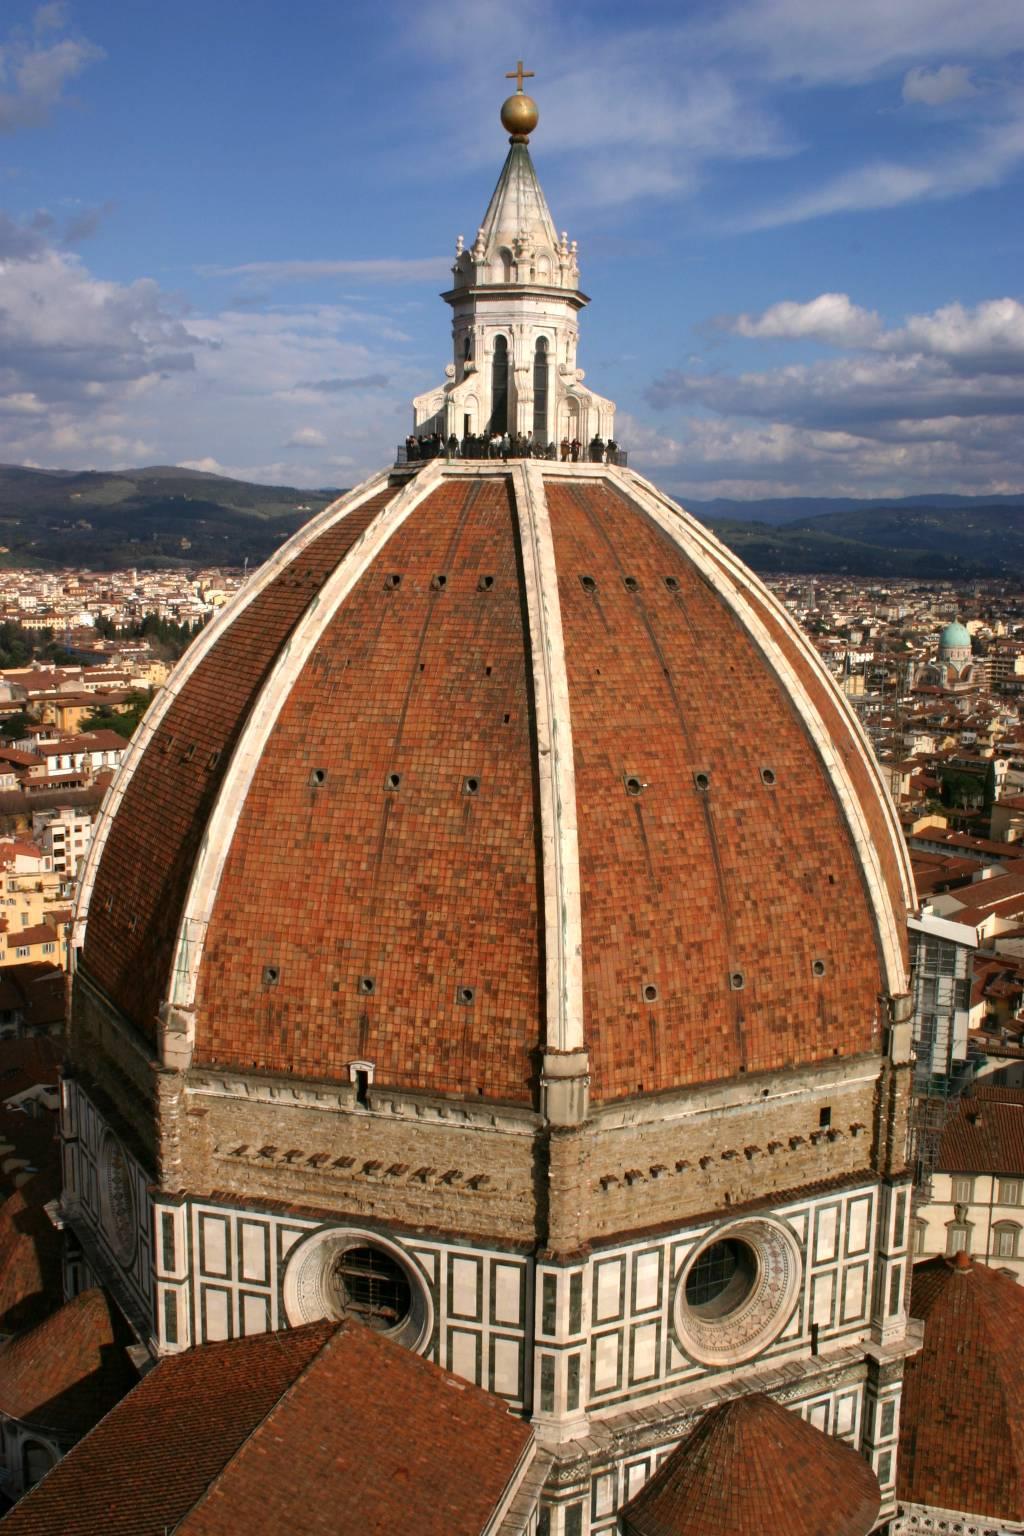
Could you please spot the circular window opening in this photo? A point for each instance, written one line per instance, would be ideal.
(721, 1278)
(342, 1274)
(737, 1292)
(369, 1285)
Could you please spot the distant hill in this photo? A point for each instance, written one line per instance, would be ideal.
(904, 539)
(164, 516)
(790, 509)
(153, 517)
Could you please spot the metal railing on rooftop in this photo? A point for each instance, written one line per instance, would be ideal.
(427, 448)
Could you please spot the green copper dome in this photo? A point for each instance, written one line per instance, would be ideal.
(952, 636)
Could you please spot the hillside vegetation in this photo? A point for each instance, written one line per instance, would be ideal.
(146, 517)
(174, 517)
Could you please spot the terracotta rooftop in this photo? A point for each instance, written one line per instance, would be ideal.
(752, 1467)
(29, 1061)
(984, 1133)
(326, 1429)
(68, 1371)
(707, 740)
(30, 1254)
(962, 1420)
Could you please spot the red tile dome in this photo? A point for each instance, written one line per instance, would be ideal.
(962, 1420)
(751, 1467)
(490, 760)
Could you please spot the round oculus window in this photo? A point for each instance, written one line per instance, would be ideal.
(369, 1285)
(736, 1292)
(352, 1274)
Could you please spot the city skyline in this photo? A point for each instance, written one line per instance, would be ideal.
(222, 239)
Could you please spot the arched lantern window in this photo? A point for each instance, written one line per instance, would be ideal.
(499, 386)
(540, 391)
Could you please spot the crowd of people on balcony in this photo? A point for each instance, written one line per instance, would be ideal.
(516, 445)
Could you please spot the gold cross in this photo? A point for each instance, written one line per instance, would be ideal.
(519, 74)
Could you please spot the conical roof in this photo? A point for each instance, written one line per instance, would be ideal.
(752, 1467)
(962, 1421)
(518, 205)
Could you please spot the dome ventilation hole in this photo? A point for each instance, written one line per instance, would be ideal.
(634, 786)
(768, 776)
(649, 992)
(318, 777)
(393, 781)
(438, 583)
(271, 975)
(631, 584)
(465, 995)
(366, 986)
(702, 781)
(818, 967)
(471, 785)
(485, 583)
(189, 753)
(672, 582)
(392, 583)
(737, 981)
(589, 585)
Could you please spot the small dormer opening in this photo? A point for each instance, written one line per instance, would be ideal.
(363, 1088)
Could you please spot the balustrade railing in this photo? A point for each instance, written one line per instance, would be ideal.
(415, 451)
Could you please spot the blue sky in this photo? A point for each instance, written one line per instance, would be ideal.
(224, 226)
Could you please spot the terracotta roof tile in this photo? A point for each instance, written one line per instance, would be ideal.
(354, 908)
(326, 1429)
(984, 1133)
(30, 1254)
(426, 888)
(962, 1421)
(659, 682)
(752, 1467)
(68, 1371)
(154, 840)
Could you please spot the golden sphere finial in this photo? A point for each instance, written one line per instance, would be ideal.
(519, 115)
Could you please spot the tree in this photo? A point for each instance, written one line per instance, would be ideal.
(123, 721)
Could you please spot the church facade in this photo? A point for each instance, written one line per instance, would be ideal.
(497, 933)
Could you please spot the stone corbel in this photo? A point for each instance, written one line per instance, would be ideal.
(177, 1036)
(565, 1087)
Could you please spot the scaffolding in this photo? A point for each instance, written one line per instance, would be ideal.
(941, 960)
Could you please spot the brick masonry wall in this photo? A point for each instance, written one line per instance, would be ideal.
(472, 1180)
(642, 1175)
(107, 1054)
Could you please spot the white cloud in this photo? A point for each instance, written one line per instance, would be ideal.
(991, 155)
(818, 43)
(935, 402)
(934, 87)
(397, 269)
(831, 317)
(991, 334)
(988, 336)
(34, 70)
(103, 374)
